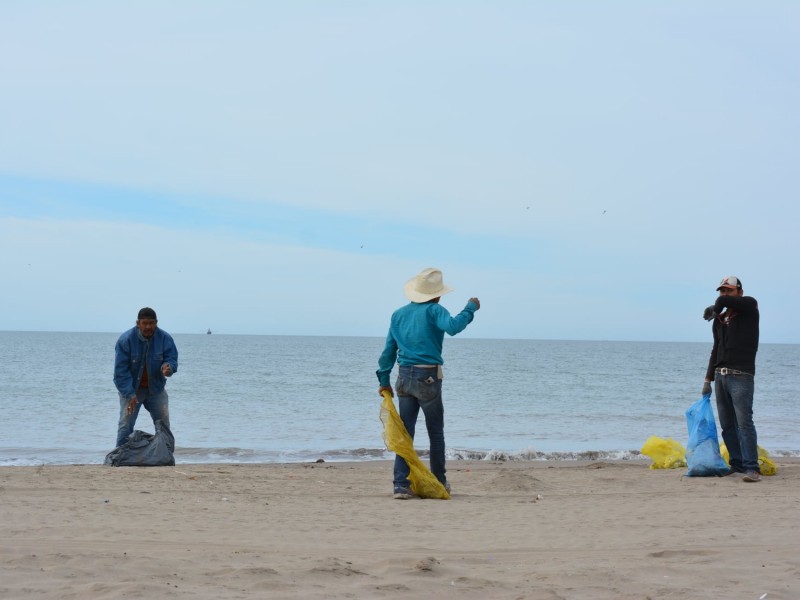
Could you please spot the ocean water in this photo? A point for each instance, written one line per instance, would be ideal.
(239, 398)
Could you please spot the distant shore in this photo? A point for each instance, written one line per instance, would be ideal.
(575, 529)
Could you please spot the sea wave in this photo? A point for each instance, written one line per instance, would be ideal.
(234, 455)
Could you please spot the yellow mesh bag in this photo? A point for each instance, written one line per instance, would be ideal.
(666, 453)
(765, 464)
(423, 482)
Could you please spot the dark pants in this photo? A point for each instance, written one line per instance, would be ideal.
(420, 388)
(735, 409)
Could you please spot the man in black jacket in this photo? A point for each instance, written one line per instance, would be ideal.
(732, 366)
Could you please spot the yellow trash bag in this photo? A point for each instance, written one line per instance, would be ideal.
(765, 463)
(423, 482)
(666, 453)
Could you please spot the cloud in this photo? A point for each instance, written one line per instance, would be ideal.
(359, 109)
(96, 275)
(93, 276)
(587, 173)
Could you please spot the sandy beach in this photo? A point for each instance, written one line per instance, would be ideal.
(582, 530)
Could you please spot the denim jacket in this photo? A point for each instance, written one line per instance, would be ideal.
(128, 360)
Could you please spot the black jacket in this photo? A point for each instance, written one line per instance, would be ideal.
(735, 335)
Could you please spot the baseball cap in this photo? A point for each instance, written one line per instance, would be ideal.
(730, 282)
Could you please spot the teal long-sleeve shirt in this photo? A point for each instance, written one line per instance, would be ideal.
(416, 334)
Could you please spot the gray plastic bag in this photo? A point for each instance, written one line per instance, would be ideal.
(145, 449)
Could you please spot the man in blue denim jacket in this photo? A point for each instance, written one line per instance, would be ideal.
(415, 342)
(143, 358)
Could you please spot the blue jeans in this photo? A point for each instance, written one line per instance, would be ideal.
(156, 404)
(420, 388)
(735, 409)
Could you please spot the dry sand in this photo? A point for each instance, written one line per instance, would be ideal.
(610, 530)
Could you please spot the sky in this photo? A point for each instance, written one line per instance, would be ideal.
(589, 170)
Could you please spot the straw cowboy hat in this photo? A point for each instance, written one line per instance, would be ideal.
(426, 286)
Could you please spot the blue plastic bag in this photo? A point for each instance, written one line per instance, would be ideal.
(702, 451)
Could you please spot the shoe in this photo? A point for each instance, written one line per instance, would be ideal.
(752, 476)
(401, 493)
(447, 487)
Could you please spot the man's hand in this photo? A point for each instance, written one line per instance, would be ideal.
(709, 313)
(166, 370)
(386, 388)
(707, 388)
(476, 302)
(131, 405)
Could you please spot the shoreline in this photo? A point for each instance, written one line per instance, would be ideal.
(517, 529)
(493, 457)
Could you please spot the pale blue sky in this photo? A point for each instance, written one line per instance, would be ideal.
(590, 170)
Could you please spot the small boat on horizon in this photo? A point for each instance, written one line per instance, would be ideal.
(208, 332)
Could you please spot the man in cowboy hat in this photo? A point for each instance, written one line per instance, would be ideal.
(732, 368)
(415, 341)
